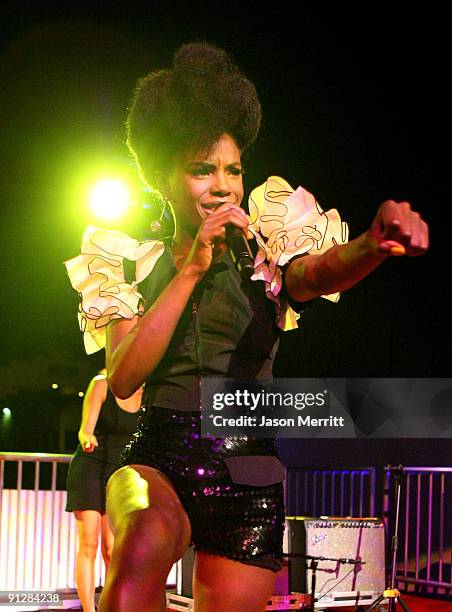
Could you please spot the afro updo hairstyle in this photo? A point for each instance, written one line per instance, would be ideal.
(203, 96)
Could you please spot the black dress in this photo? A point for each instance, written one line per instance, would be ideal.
(89, 472)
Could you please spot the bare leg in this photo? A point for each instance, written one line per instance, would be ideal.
(151, 531)
(223, 585)
(106, 541)
(88, 528)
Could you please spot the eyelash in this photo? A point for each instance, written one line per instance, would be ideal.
(237, 171)
(206, 172)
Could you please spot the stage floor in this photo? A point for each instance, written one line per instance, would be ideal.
(415, 604)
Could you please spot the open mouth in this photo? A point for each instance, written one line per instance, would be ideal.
(211, 207)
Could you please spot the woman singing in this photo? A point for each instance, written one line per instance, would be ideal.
(192, 317)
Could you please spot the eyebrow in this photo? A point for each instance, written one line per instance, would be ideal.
(203, 164)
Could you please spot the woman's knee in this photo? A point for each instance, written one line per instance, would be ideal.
(88, 546)
(145, 535)
(146, 514)
(88, 528)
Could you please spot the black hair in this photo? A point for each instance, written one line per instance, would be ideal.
(202, 96)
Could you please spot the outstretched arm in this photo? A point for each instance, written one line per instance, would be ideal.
(396, 230)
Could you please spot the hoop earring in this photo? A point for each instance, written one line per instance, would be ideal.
(164, 227)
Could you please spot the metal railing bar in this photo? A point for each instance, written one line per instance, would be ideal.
(361, 494)
(427, 469)
(418, 522)
(35, 520)
(421, 581)
(441, 527)
(34, 456)
(314, 493)
(19, 489)
(429, 524)
(52, 551)
(407, 523)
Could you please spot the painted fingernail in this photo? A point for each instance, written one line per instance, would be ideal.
(397, 250)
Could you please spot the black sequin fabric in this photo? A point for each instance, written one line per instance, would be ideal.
(237, 521)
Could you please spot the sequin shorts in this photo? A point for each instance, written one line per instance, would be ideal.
(240, 521)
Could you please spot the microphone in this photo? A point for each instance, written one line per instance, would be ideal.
(240, 251)
(352, 561)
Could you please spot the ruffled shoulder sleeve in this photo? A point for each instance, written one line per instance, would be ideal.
(98, 276)
(286, 224)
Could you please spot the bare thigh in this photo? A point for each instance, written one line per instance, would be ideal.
(222, 585)
(145, 512)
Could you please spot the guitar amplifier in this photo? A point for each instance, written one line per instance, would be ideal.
(347, 554)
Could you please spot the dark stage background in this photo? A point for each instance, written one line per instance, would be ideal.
(355, 110)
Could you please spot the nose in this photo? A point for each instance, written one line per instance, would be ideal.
(220, 186)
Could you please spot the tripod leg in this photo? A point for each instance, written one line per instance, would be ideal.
(403, 604)
(374, 605)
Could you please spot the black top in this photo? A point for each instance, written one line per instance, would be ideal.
(114, 428)
(226, 330)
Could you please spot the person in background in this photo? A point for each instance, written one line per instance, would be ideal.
(108, 423)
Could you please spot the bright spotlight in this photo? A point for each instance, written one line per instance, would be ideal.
(109, 198)
(81, 394)
(54, 386)
(6, 411)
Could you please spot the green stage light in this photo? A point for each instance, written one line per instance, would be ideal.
(109, 199)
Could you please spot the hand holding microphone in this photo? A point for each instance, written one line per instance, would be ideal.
(223, 227)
